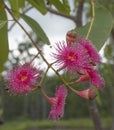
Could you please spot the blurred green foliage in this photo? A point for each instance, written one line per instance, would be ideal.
(84, 123)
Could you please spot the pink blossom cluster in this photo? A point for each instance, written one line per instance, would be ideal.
(80, 57)
(77, 58)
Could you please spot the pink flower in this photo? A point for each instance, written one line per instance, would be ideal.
(87, 94)
(93, 76)
(58, 102)
(73, 58)
(93, 53)
(22, 79)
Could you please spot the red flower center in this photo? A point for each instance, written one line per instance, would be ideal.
(71, 56)
(23, 76)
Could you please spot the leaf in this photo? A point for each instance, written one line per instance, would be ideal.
(15, 7)
(62, 7)
(39, 5)
(2, 23)
(36, 28)
(66, 5)
(3, 37)
(101, 27)
(21, 3)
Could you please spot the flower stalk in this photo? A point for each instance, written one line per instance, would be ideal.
(92, 20)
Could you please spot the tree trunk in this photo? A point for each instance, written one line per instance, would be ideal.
(94, 113)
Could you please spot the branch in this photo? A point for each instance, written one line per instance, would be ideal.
(73, 18)
(92, 20)
(76, 19)
(25, 11)
(79, 13)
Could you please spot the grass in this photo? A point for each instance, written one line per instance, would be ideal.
(72, 123)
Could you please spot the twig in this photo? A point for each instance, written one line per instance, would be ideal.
(25, 11)
(73, 18)
(92, 20)
(79, 13)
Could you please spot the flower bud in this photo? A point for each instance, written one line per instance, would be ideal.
(71, 37)
(87, 94)
(84, 77)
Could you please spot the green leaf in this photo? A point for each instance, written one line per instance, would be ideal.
(21, 3)
(62, 7)
(101, 27)
(3, 37)
(15, 7)
(36, 28)
(66, 5)
(39, 5)
(2, 23)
